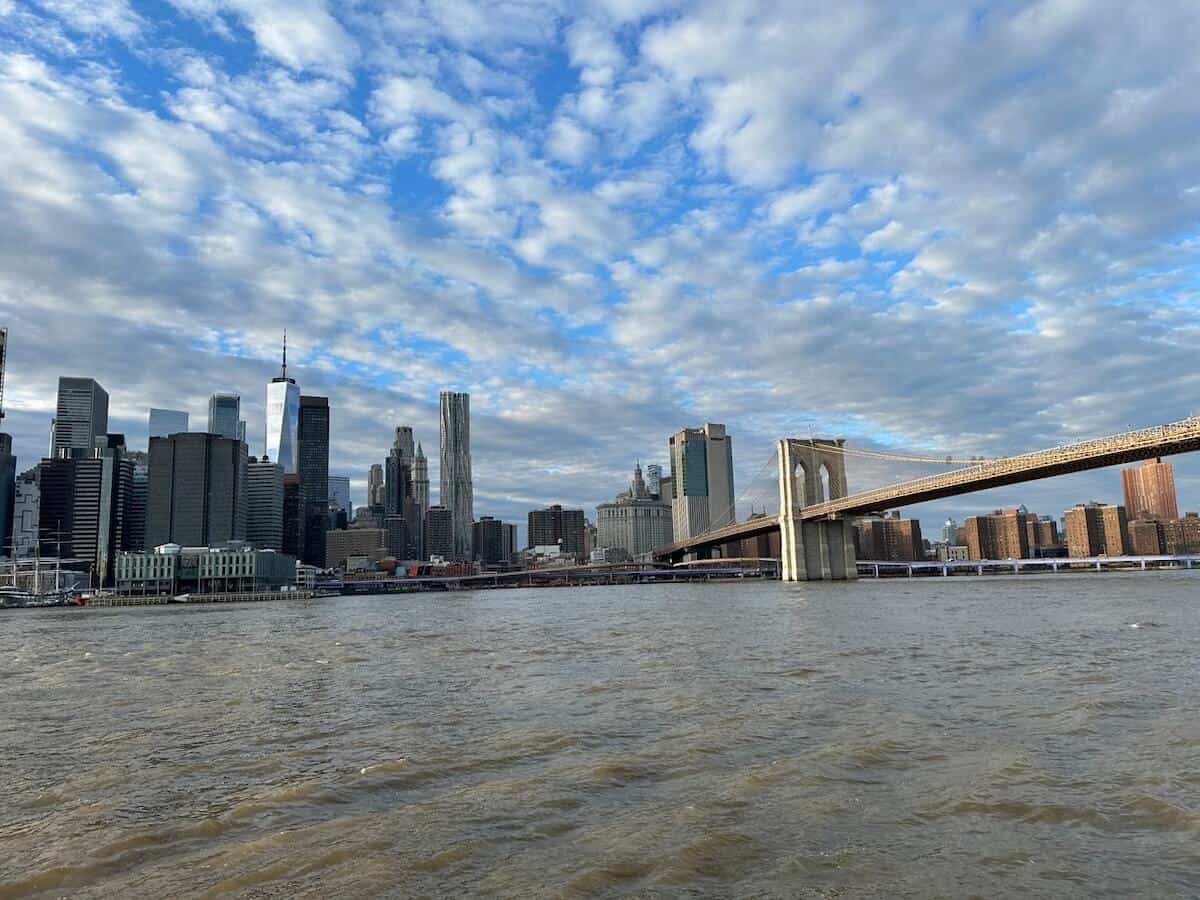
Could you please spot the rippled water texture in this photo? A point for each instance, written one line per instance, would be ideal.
(943, 737)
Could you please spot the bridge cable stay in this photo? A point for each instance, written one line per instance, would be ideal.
(732, 508)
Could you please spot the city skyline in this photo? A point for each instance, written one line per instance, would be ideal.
(571, 233)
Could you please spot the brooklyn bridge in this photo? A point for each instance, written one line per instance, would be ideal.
(813, 532)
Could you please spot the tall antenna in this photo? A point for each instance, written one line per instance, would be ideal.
(285, 353)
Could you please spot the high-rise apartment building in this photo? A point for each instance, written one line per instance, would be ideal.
(1150, 491)
(225, 415)
(313, 444)
(555, 525)
(1001, 535)
(438, 530)
(283, 417)
(890, 539)
(264, 503)
(197, 494)
(1182, 536)
(1096, 529)
(457, 491)
(702, 480)
(81, 416)
(165, 422)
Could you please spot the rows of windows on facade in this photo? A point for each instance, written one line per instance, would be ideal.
(92, 498)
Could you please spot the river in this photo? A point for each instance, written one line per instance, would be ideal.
(1010, 736)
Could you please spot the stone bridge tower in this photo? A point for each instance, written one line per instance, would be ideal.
(812, 471)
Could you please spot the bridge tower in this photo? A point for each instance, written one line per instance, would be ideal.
(812, 471)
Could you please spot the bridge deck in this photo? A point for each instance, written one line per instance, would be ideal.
(1162, 440)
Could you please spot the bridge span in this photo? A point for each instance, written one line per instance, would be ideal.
(814, 531)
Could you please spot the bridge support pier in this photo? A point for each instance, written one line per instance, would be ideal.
(817, 551)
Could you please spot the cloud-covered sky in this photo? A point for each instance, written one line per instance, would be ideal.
(969, 230)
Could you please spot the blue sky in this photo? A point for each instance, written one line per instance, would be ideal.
(971, 231)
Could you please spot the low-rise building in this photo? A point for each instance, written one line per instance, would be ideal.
(172, 569)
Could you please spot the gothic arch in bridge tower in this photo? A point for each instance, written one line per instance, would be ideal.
(813, 471)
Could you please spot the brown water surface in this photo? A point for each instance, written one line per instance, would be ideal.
(944, 737)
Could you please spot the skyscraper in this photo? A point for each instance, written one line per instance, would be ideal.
(313, 452)
(283, 416)
(264, 503)
(438, 529)
(197, 494)
(26, 507)
(81, 417)
(84, 500)
(398, 471)
(376, 495)
(224, 415)
(654, 480)
(557, 526)
(702, 476)
(421, 481)
(1150, 491)
(165, 422)
(8, 490)
(457, 492)
(339, 493)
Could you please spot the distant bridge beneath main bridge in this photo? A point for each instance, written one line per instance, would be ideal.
(814, 531)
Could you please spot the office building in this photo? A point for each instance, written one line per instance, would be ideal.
(420, 482)
(702, 480)
(166, 422)
(197, 492)
(376, 490)
(225, 416)
(170, 569)
(8, 493)
(80, 418)
(26, 507)
(949, 531)
(283, 417)
(636, 521)
(654, 478)
(457, 491)
(397, 537)
(344, 544)
(264, 503)
(439, 533)
(1150, 491)
(293, 516)
(1096, 529)
(82, 506)
(400, 489)
(139, 498)
(492, 541)
(339, 494)
(564, 528)
(313, 455)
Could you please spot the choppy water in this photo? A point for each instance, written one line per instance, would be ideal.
(1007, 736)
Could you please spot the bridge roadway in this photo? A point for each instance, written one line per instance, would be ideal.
(1147, 443)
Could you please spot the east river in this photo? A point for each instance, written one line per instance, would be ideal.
(1011, 736)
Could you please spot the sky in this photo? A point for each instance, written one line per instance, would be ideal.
(950, 228)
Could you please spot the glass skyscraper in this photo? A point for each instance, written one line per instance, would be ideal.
(457, 493)
(165, 422)
(283, 417)
(224, 415)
